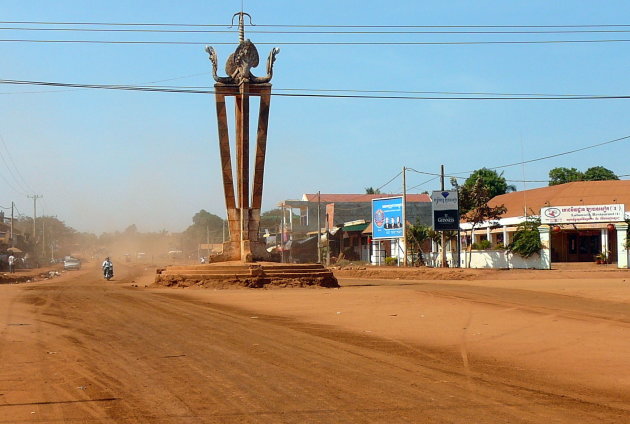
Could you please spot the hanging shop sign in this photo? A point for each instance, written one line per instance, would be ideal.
(582, 214)
(387, 218)
(445, 210)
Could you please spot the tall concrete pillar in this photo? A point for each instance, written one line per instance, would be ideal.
(545, 251)
(604, 240)
(622, 252)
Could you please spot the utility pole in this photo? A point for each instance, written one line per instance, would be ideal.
(404, 214)
(34, 197)
(327, 241)
(282, 227)
(319, 229)
(12, 207)
(43, 236)
(443, 237)
(208, 242)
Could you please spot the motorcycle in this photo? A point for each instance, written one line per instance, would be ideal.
(108, 272)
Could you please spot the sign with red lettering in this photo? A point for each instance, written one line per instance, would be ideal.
(582, 214)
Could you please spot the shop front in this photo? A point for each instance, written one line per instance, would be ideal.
(585, 233)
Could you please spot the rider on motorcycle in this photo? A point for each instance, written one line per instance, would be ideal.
(108, 265)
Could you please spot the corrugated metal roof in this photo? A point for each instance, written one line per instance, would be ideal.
(356, 227)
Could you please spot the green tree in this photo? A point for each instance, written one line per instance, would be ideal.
(599, 173)
(372, 190)
(564, 175)
(478, 197)
(494, 183)
(272, 218)
(206, 228)
(417, 234)
(568, 175)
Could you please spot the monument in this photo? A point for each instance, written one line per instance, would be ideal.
(243, 215)
(243, 259)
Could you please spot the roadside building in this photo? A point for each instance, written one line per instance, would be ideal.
(343, 220)
(582, 221)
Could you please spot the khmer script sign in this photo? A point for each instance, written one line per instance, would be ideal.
(582, 214)
(387, 218)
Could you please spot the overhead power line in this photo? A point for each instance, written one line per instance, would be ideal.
(167, 24)
(322, 43)
(564, 153)
(149, 88)
(568, 152)
(252, 30)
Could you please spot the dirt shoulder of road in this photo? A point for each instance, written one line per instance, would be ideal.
(32, 275)
(427, 273)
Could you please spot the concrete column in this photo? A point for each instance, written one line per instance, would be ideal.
(604, 240)
(488, 235)
(545, 251)
(622, 252)
(505, 236)
(374, 253)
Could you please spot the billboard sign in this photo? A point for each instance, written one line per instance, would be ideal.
(387, 218)
(445, 210)
(582, 214)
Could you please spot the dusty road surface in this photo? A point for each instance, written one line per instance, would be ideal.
(77, 349)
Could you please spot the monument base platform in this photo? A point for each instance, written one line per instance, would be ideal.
(240, 274)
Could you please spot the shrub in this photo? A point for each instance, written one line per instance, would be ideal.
(526, 241)
(499, 246)
(391, 261)
(481, 245)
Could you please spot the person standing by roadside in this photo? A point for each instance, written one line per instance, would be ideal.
(11, 263)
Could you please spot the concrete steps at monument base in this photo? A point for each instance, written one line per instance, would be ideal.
(262, 272)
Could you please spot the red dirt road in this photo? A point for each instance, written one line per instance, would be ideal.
(77, 349)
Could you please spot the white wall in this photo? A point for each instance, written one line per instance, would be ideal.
(499, 259)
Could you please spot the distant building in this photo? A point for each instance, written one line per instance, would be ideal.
(335, 209)
(346, 216)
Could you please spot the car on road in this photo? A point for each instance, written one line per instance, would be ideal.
(70, 263)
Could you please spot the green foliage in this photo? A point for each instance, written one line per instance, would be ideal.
(272, 219)
(481, 245)
(53, 237)
(372, 190)
(526, 241)
(479, 210)
(567, 175)
(206, 228)
(391, 261)
(564, 175)
(493, 181)
(599, 173)
(417, 234)
(477, 200)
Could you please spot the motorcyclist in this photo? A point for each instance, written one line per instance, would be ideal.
(107, 264)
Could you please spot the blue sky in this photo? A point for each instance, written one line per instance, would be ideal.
(106, 159)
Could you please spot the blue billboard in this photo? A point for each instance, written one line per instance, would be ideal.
(387, 218)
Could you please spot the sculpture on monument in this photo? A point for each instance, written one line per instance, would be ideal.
(243, 214)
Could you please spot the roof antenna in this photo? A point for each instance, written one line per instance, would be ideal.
(241, 23)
